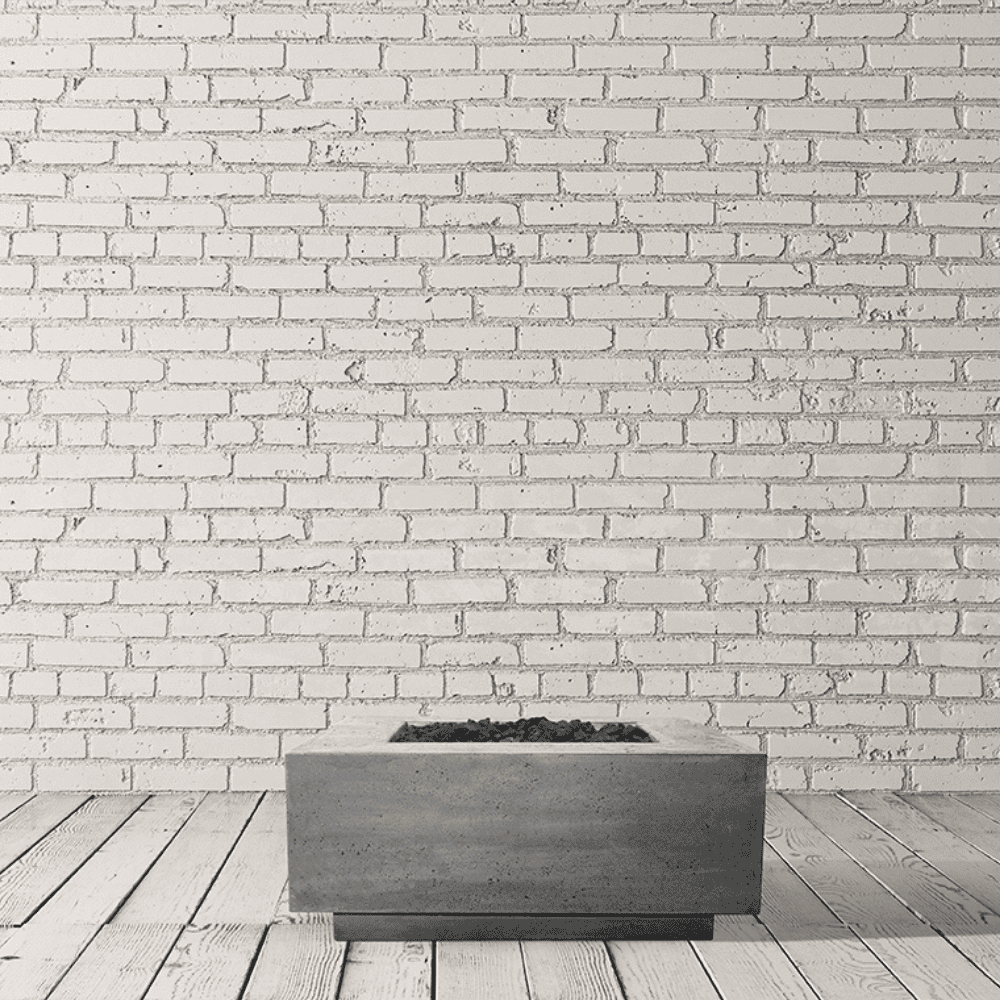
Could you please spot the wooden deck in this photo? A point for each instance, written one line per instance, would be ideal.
(183, 897)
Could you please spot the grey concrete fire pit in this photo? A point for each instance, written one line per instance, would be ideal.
(584, 841)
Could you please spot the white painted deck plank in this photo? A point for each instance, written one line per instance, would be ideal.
(33, 960)
(175, 886)
(923, 888)
(297, 962)
(249, 886)
(119, 964)
(838, 965)
(387, 970)
(987, 803)
(570, 970)
(661, 970)
(973, 826)
(11, 801)
(958, 861)
(22, 829)
(965, 921)
(208, 963)
(923, 961)
(928, 966)
(831, 957)
(479, 970)
(96, 890)
(37, 874)
(745, 962)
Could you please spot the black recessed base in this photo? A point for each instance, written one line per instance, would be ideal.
(521, 927)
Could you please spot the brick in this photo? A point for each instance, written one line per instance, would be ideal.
(628, 150)
(83, 776)
(954, 715)
(88, 26)
(746, 715)
(243, 56)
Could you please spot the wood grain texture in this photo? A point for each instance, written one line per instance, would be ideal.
(745, 961)
(11, 801)
(843, 885)
(927, 965)
(570, 970)
(973, 826)
(660, 970)
(97, 889)
(968, 925)
(22, 829)
(208, 963)
(173, 888)
(830, 956)
(38, 873)
(297, 962)
(923, 961)
(479, 970)
(387, 970)
(961, 863)
(33, 961)
(912, 828)
(987, 804)
(789, 902)
(249, 885)
(119, 964)
(838, 965)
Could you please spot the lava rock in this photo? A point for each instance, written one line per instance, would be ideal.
(536, 730)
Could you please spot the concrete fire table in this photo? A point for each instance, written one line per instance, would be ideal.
(571, 841)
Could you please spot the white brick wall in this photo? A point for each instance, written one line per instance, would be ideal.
(595, 361)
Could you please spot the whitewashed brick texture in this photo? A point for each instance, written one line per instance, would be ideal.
(631, 360)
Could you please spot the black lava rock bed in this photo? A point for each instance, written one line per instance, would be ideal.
(537, 730)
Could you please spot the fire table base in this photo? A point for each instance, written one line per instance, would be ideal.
(521, 927)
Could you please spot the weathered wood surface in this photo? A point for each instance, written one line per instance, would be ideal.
(387, 970)
(916, 955)
(973, 826)
(744, 960)
(945, 851)
(865, 895)
(297, 962)
(174, 887)
(33, 960)
(970, 926)
(119, 964)
(570, 970)
(249, 886)
(40, 871)
(988, 805)
(660, 970)
(208, 963)
(96, 889)
(25, 827)
(284, 915)
(830, 955)
(492, 969)
(10, 801)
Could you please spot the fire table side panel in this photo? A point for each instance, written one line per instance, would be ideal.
(525, 833)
